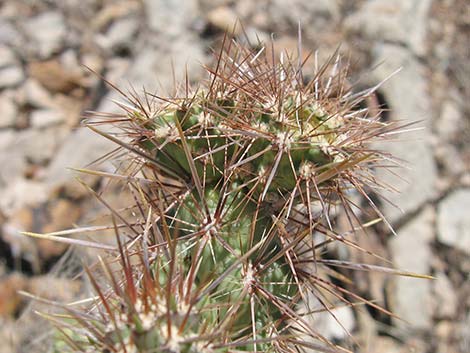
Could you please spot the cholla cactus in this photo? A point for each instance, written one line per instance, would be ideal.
(237, 185)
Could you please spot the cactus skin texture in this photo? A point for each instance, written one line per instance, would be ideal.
(236, 186)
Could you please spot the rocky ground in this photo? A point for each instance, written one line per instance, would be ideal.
(52, 54)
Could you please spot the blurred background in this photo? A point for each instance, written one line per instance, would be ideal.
(48, 50)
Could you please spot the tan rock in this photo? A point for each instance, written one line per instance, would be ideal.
(62, 214)
(10, 300)
(21, 246)
(43, 218)
(225, 19)
(54, 77)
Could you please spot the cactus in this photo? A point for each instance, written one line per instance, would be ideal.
(237, 184)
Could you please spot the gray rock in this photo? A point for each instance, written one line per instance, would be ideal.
(399, 21)
(312, 15)
(7, 56)
(116, 69)
(463, 334)
(333, 329)
(9, 35)
(406, 93)
(70, 62)
(453, 221)
(21, 193)
(11, 76)
(78, 150)
(7, 137)
(147, 71)
(36, 95)
(36, 146)
(324, 323)
(445, 297)
(39, 145)
(152, 67)
(11, 157)
(170, 17)
(120, 34)
(411, 250)
(48, 31)
(415, 181)
(46, 117)
(449, 123)
(450, 158)
(8, 111)
(13, 165)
